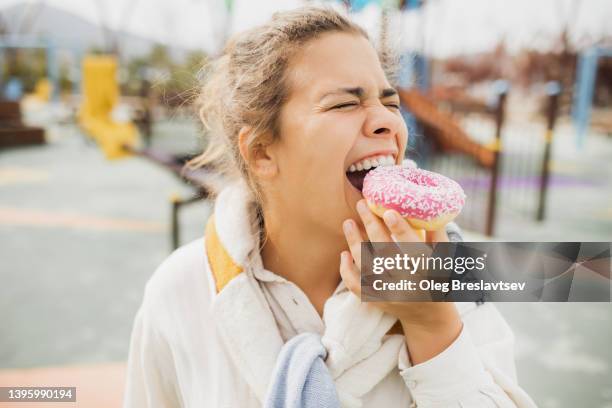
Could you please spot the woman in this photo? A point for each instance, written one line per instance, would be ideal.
(290, 106)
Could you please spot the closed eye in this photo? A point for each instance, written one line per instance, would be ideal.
(345, 105)
(350, 104)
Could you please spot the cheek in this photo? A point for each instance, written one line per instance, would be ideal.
(320, 145)
(314, 168)
(330, 188)
(312, 160)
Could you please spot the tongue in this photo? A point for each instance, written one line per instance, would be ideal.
(356, 178)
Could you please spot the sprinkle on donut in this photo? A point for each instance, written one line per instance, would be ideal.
(413, 192)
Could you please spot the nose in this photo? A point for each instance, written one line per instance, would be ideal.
(381, 123)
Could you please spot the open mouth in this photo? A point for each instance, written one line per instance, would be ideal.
(357, 171)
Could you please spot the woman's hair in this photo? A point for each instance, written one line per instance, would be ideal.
(248, 84)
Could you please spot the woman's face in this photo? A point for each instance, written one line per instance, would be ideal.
(340, 111)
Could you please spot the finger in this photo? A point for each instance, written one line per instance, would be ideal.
(351, 275)
(400, 228)
(438, 235)
(354, 240)
(375, 228)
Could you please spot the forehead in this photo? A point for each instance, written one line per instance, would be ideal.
(335, 60)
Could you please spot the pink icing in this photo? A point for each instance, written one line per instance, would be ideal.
(412, 192)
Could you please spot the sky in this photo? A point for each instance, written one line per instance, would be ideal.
(445, 27)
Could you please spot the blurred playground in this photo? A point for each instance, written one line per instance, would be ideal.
(93, 193)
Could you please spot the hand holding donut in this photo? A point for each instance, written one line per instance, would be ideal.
(379, 231)
(429, 327)
(409, 200)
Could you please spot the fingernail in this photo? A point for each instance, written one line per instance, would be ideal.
(342, 257)
(361, 206)
(348, 226)
(390, 218)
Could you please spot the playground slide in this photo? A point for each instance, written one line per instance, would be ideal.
(447, 134)
(100, 96)
(117, 140)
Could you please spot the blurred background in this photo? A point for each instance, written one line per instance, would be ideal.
(511, 99)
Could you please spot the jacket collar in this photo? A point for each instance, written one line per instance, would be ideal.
(359, 353)
(242, 315)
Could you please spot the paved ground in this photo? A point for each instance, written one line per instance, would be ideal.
(80, 236)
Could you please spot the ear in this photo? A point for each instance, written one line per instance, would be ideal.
(258, 157)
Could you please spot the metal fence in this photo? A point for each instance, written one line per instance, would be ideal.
(516, 181)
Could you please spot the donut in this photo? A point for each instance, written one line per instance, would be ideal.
(427, 200)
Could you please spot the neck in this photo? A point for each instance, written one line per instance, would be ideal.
(306, 256)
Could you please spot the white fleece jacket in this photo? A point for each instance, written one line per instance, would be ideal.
(194, 345)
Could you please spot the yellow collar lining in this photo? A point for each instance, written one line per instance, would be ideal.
(223, 267)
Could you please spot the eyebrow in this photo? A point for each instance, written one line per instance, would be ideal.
(388, 92)
(359, 92)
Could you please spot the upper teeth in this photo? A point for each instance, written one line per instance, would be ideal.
(371, 162)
